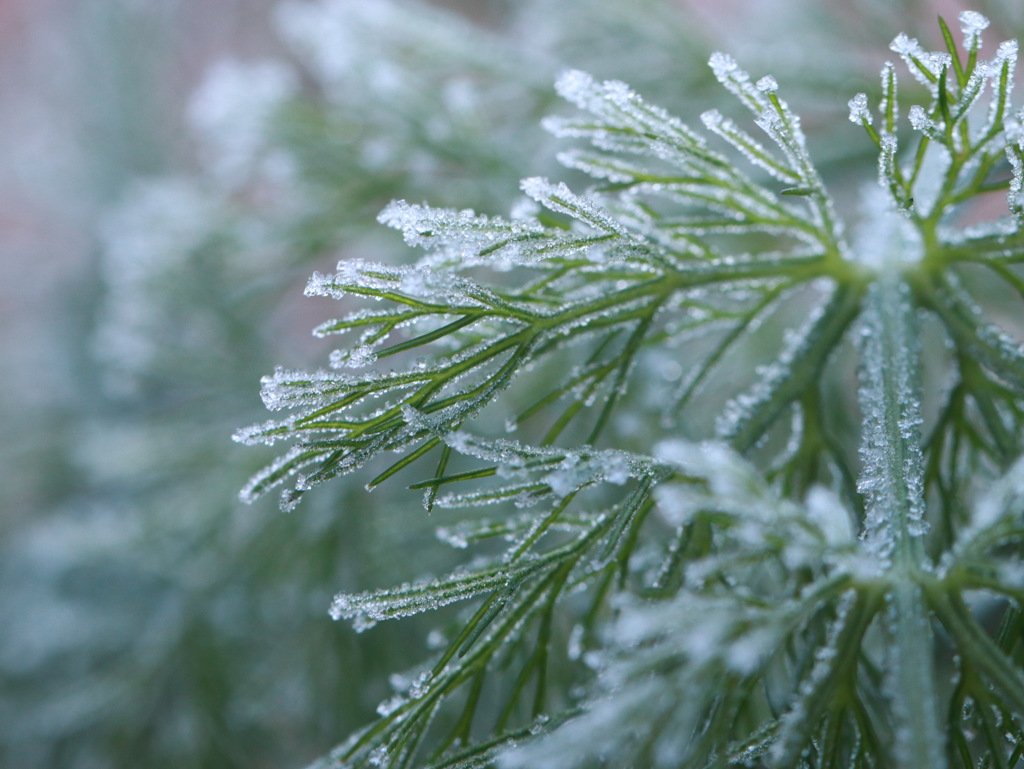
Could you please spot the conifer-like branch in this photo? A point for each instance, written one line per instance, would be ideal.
(737, 603)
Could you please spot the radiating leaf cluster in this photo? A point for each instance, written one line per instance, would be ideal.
(804, 605)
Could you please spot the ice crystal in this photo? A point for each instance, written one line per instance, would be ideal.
(972, 24)
(859, 112)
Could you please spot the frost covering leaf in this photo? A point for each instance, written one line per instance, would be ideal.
(613, 278)
(781, 595)
(718, 639)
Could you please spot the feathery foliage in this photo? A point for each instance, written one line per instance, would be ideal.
(693, 555)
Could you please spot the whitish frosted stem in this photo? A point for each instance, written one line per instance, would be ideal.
(892, 480)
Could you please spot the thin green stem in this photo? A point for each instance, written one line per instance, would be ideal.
(894, 526)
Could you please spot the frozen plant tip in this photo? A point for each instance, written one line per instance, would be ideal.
(692, 556)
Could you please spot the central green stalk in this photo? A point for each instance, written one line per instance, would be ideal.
(894, 527)
(893, 474)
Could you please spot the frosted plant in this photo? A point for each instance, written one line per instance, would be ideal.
(142, 599)
(190, 662)
(769, 583)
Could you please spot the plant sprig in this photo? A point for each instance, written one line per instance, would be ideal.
(771, 598)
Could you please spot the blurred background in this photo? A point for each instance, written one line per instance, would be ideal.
(171, 171)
